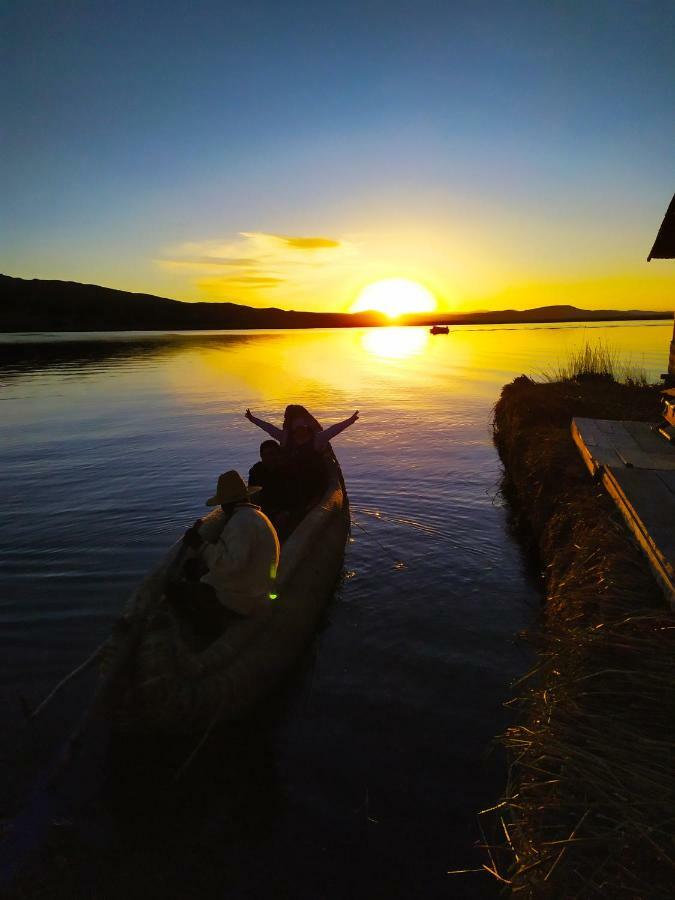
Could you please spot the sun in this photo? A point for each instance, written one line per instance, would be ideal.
(394, 297)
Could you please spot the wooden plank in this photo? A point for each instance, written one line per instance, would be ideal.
(667, 479)
(668, 432)
(660, 565)
(623, 443)
(633, 444)
(591, 433)
(654, 504)
(638, 470)
(593, 445)
(669, 412)
(644, 435)
(583, 448)
(661, 555)
(640, 459)
(614, 436)
(649, 440)
(593, 455)
(616, 428)
(638, 496)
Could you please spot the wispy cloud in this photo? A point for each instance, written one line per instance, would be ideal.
(296, 243)
(256, 261)
(237, 290)
(201, 261)
(259, 280)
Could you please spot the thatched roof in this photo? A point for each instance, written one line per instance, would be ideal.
(664, 245)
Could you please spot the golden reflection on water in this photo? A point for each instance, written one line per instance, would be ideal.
(350, 367)
(395, 342)
(331, 368)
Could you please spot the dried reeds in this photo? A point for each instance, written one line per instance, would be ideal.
(588, 810)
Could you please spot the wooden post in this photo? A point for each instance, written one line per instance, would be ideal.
(671, 360)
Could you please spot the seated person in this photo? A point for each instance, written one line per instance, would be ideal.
(270, 475)
(303, 444)
(197, 603)
(242, 564)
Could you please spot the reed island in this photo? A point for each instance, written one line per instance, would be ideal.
(588, 808)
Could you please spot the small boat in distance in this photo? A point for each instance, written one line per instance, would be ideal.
(439, 329)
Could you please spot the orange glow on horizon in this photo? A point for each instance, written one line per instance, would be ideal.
(436, 270)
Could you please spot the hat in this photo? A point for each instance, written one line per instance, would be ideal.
(231, 488)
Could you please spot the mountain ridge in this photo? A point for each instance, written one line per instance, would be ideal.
(49, 305)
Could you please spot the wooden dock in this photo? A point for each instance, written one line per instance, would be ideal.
(637, 467)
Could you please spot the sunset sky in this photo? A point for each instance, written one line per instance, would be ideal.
(502, 154)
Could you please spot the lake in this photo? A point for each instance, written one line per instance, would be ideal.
(365, 777)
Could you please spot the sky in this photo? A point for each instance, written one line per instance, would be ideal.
(503, 154)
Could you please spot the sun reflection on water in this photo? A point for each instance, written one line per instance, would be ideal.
(395, 342)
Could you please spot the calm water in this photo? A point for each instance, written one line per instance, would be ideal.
(367, 779)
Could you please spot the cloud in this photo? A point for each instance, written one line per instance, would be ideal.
(259, 280)
(243, 289)
(227, 261)
(297, 243)
(252, 250)
(208, 261)
(251, 263)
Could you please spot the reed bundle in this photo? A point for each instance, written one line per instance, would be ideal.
(588, 809)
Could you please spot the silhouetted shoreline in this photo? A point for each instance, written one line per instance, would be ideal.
(38, 305)
(596, 700)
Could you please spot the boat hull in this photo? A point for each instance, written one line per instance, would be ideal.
(172, 687)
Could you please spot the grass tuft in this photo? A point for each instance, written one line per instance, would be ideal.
(598, 362)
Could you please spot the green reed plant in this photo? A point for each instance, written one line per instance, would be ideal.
(597, 361)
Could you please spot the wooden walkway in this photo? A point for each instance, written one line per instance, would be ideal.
(637, 467)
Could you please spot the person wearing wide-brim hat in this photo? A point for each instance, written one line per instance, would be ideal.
(231, 488)
(243, 562)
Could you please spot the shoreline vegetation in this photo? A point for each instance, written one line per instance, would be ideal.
(587, 810)
(38, 305)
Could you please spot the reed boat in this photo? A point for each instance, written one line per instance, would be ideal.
(166, 681)
(157, 680)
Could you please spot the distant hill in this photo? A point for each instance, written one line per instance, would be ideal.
(36, 305)
(560, 313)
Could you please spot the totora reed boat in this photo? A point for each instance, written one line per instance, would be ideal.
(158, 679)
(161, 679)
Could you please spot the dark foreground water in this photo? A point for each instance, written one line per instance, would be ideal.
(364, 777)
